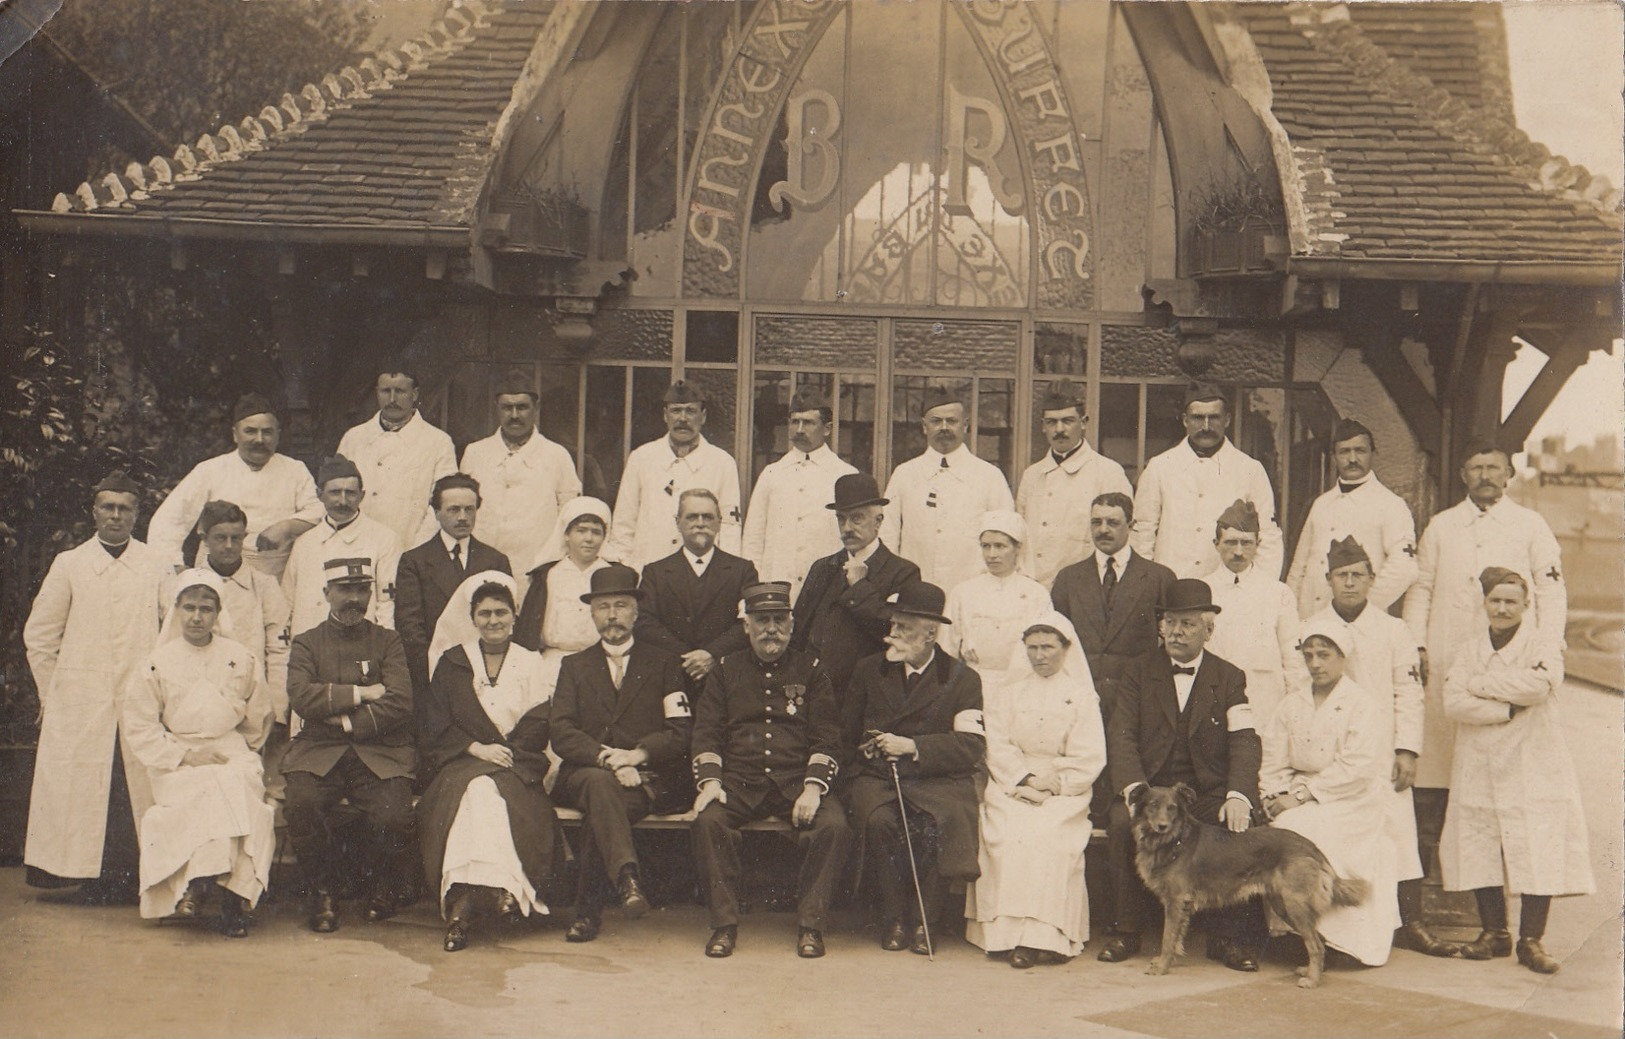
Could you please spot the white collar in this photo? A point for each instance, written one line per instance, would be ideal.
(700, 444)
(448, 541)
(820, 456)
(1121, 556)
(1355, 485)
(623, 650)
(1196, 663)
(700, 561)
(406, 422)
(957, 455)
(1225, 447)
(862, 555)
(909, 670)
(1072, 462)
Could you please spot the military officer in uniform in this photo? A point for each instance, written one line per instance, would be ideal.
(274, 491)
(940, 496)
(1258, 631)
(787, 526)
(767, 742)
(657, 472)
(401, 456)
(1183, 490)
(1061, 486)
(345, 531)
(1362, 508)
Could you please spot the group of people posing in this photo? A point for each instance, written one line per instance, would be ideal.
(936, 685)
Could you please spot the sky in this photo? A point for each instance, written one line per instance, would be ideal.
(1567, 60)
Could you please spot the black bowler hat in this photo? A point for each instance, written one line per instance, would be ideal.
(922, 599)
(854, 490)
(614, 579)
(767, 597)
(1188, 594)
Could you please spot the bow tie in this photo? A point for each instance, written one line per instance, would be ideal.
(1184, 670)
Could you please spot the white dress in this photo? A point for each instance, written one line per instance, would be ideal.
(989, 614)
(1031, 889)
(206, 820)
(1340, 751)
(479, 846)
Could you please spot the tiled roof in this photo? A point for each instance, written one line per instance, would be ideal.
(1395, 165)
(400, 141)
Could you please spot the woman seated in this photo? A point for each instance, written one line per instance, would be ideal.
(1514, 816)
(554, 621)
(1325, 766)
(1045, 746)
(992, 609)
(487, 827)
(196, 717)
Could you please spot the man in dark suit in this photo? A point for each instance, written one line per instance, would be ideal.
(1182, 717)
(1111, 597)
(921, 711)
(430, 573)
(691, 598)
(767, 742)
(621, 725)
(842, 615)
(347, 679)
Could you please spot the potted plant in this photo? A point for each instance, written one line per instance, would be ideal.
(1236, 230)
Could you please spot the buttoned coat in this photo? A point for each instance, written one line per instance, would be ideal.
(645, 524)
(1111, 644)
(1180, 498)
(1374, 516)
(304, 581)
(398, 471)
(280, 489)
(787, 526)
(1257, 631)
(325, 666)
(1224, 747)
(424, 584)
(1054, 498)
(935, 515)
(761, 726)
(94, 621)
(521, 493)
(683, 612)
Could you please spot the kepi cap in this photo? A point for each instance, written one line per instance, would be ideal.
(767, 597)
(349, 570)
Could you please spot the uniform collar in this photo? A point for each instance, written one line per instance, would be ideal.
(692, 459)
(957, 457)
(1225, 447)
(822, 456)
(403, 426)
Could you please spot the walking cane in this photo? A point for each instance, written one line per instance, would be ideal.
(913, 867)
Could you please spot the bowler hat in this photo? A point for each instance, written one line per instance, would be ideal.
(854, 490)
(614, 579)
(920, 599)
(1188, 593)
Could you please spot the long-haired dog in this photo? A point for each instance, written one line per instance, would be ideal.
(1192, 866)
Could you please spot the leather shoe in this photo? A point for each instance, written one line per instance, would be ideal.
(810, 943)
(1023, 958)
(1231, 955)
(722, 941)
(1537, 959)
(456, 935)
(633, 901)
(1416, 937)
(380, 907)
(324, 915)
(507, 906)
(186, 908)
(1119, 947)
(920, 946)
(585, 929)
(233, 920)
(1488, 945)
(895, 938)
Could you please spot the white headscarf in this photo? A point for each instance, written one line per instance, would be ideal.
(573, 510)
(1010, 524)
(197, 577)
(1074, 666)
(456, 624)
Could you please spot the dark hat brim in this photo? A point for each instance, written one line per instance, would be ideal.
(1193, 608)
(911, 612)
(636, 593)
(843, 506)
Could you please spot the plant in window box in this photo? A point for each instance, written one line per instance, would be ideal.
(547, 221)
(1237, 229)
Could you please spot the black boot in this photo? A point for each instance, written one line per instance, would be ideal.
(233, 914)
(461, 916)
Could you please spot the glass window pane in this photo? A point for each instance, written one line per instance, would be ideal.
(956, 346)
(769, 412)
(1060, 349)
(559, 405)
(720, 386)
(470, 412)
(1164, 406)
(606, 426)
(1119, 425)
(631, 335)
(995, 422)
(713, 336)
(908, 401)
(817, 342)
(855, 421)
(1263, 429)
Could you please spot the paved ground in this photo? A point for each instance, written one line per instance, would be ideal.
(76, 971)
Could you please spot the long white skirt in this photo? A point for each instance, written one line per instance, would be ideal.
(480, 849)
(207, 821)
(1354, 837)
(1031, 891)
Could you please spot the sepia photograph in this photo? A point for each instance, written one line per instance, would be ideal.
(812, 518)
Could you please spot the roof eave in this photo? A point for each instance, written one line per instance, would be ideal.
(1504, 272)
(179, 228)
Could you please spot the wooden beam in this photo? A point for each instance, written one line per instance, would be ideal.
(1410, 394)
(1539, 396)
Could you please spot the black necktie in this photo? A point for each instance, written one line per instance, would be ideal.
(1184, 670)
(945, 462)
(1108, 580)
(457, 555)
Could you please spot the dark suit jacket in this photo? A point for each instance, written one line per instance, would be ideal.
(651, 710)
(681, 612)
(1140, 739)
(840, 625)
(325, 665)
(424, 583)
(1112, 644)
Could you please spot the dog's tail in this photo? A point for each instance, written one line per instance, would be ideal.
(1349, 892)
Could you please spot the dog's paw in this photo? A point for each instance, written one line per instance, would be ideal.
(1308, 982)
(1302, 972)
(1157, 969)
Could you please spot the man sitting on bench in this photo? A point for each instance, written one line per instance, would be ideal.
(767, 742)
(621, 725)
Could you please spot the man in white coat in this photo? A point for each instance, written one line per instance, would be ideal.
(787, 525)
(1382, 660)
(939, 497)
(1059, 488)
(273, 490)
(1362, 508)
(400, 456)
(658, 472)
(1445, 608)
(1183, 490)
(345, 532)
(94, 620)
(524, 478)
(1258, 630)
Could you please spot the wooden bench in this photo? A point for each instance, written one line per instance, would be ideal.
(683, 820)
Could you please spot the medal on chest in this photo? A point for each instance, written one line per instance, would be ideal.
(794, 695)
